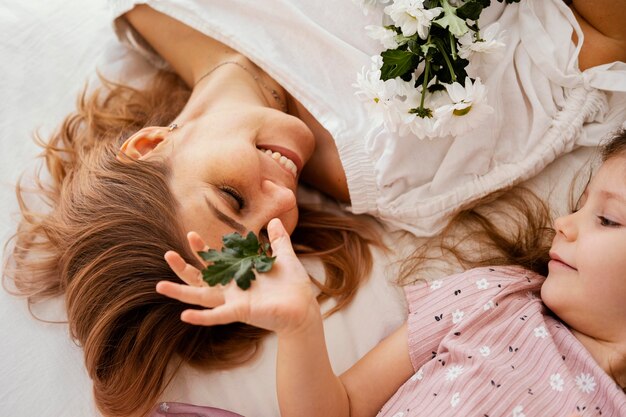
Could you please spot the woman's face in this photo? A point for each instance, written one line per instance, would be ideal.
(586, 283)
(226, 173)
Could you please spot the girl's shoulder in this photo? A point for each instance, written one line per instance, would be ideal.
(495, 277)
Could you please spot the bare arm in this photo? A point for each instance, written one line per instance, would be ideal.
(188, 51)
(282, 300)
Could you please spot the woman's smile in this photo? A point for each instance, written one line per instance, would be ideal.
(282, 158)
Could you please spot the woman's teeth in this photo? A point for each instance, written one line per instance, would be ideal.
(283, 160)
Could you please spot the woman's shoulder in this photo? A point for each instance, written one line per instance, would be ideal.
(602, 24)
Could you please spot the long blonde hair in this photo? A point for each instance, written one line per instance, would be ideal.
(101, 244)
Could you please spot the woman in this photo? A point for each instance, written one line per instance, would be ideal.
(132, 177)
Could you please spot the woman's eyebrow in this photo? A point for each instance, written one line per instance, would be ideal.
(224, 218)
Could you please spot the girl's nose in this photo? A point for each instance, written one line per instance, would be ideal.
(566, 226)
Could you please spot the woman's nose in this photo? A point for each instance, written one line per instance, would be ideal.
(280, 202)
(566, 226)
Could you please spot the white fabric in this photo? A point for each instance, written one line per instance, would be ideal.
(542, 100)
(48, 50)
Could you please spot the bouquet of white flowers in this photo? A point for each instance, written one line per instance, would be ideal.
(427, 81)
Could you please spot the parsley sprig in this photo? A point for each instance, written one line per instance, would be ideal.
(238, 257)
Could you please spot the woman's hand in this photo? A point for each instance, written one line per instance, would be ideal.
(281, 300)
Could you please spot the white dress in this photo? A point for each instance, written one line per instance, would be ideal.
(544, 106)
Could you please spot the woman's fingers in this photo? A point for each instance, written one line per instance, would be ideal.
(188, 273)
(224, 314)
(279, 239)
(205, 296)
(282, 248)
(196, 243)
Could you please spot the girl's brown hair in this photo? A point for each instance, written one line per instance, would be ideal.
(508, 227)
(102, 241)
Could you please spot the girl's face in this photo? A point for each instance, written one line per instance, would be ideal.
(225, 179)
(586, 284)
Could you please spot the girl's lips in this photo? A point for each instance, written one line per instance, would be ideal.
(556, 259)
(295, 158)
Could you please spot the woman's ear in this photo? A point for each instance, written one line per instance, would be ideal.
(143, 142)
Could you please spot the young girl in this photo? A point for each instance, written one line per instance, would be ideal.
(481, 343)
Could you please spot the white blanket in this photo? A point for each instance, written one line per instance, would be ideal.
(48, 49)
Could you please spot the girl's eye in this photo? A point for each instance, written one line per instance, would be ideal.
(234, 195)
(608, 223)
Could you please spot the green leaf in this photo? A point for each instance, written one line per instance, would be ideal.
(450, 20)
(470, 10)
(396, 63)
(236, 260)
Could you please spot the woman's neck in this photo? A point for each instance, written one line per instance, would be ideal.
(611, 356)
(229, 84)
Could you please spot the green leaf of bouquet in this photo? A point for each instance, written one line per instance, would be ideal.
(451, 21)
(396, 63)
(470, 10)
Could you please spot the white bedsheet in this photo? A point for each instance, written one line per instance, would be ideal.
(48, 49)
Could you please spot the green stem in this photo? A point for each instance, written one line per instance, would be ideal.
(425, 82)
(452, 45)
(446, 58)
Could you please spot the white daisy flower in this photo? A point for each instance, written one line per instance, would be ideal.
(485, 351)
(422, 127)
(387, 37)
(586, 383)
(411, 16)
(418, 376)
(556, 382)
(490, 304)
(482, 284)
(380, 97)
(518, 411)
(436, 284)
(540, 332)
(484, 51)
(453, 372)
(456, 399)
(469, 108)
(457, 316)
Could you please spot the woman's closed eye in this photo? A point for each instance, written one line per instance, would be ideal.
(234, 195)
(607, 222)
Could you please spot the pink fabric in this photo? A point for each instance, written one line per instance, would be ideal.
(170, 409)
(483, 344)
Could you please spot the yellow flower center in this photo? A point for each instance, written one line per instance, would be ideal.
(462, 112)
